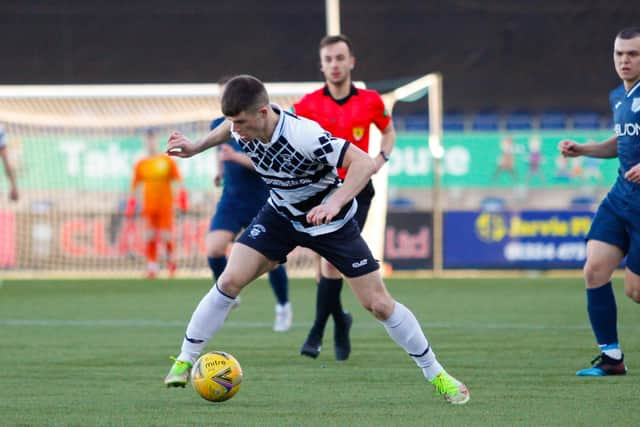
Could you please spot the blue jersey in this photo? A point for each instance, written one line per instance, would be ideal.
(239, 181)
(626, 118)
(616, 95)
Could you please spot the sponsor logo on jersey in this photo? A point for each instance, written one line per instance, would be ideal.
(627, 129)
(358, 133)
(619, 103)
(256, 230)
(635, 105)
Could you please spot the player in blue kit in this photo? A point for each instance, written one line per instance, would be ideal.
(615, 230)
(243, 194)
(308, 206)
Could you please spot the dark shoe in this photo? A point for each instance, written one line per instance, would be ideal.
(604, 365)
(341, 340)
(310, 348)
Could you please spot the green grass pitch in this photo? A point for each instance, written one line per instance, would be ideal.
(94, 353)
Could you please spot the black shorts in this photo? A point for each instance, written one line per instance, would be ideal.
(364, 203)
(273, 236)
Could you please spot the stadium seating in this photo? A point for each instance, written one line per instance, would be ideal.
(519, 121)
(453, 122)
(416, 122)
(586, 120)
(515, 121)
(485, 122)
(551, 120)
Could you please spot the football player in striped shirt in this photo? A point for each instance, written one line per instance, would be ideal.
(308, 206)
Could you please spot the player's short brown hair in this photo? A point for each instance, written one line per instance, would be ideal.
(243, 93)
(329, 40)
(628, 33)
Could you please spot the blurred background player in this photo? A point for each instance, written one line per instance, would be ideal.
(157, 173)
(243, 194)
(8, 170)
(615, 230)
(346, 112)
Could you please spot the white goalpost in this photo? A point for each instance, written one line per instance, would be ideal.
(73, 148)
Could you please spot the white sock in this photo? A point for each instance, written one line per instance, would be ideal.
(205, 321)
(614, 353)
(403, 327)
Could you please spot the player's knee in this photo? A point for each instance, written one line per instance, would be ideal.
(230, 283)
(596, 273)
(215, 250)
(633, 293)
(329, 271)
(380, 307)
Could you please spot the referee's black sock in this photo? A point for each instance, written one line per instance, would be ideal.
(325, 305)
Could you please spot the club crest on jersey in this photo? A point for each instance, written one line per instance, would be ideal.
(635, 105)
(358, 133)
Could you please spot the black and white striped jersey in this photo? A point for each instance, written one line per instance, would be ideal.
(299, 167)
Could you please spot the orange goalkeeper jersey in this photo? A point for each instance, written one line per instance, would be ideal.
(156, 173)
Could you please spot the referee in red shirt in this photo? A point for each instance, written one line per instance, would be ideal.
(346, 112)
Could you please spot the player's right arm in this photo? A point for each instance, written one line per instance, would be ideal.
(606, 149)
(181, 146)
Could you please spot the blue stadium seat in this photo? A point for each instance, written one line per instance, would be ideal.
(519, 121)
(484, 121)
(586, 121)
(453, 122)
(553, 120)
(416, 122)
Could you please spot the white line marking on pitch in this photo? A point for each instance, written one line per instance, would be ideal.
(126, 323)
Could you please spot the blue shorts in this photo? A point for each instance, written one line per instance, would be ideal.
(273, 236)
(232, 216)
(618, 223)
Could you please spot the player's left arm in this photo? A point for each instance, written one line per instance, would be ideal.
(360, 167)
(382, 120)
(387, 143)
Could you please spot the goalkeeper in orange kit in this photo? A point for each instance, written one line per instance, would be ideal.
(157, 173)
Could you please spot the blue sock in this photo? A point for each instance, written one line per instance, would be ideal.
(217, 265)
(603, 314)
(280, 284)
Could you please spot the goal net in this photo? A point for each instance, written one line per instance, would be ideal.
(73, 149)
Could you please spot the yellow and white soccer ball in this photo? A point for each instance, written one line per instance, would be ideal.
(216, 376)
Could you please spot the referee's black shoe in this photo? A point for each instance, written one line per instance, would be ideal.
(311, 348)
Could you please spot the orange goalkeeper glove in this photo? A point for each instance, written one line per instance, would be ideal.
(130, 209)
(183, 202)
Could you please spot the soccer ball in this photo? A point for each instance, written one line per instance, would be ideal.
(216, 376)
